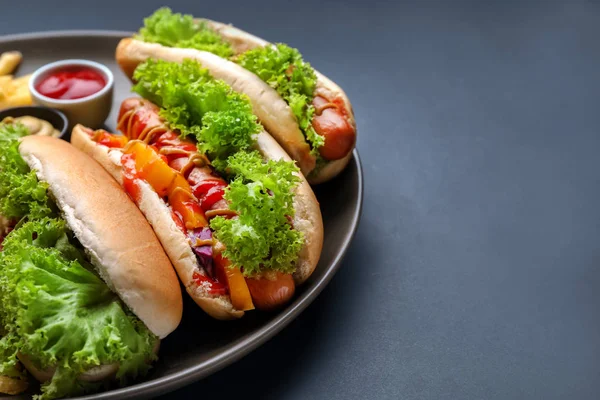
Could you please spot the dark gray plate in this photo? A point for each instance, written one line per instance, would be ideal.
(202, 346)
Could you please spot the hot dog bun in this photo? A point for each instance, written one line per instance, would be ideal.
(95, 374)
(121, 245)
(270, 108)
(307, 220)
(273, 112)
(242, 41)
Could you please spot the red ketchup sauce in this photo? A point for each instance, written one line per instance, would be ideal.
(71, 83)
(215, 287)
(129, 176)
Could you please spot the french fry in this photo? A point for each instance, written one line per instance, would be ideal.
(21, 99)
(5, 82)
(9, 61)
(22, 89)
(5, 93)
(22, 80)
(16, 99)
(14, 92)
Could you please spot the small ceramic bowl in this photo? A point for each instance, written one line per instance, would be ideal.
(90, 111)
(56, 118)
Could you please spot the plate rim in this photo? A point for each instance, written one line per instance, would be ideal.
(64, 33)
(176, 380)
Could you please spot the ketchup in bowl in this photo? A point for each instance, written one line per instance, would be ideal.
(71, 83)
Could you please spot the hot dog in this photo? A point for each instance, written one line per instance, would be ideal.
(208, 197)
(87, 291)
(309, 115)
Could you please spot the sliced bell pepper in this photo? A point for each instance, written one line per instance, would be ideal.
(185, 204)
(238, 289)
(110, 140)
(151, 167)
(144, 154)
(159, 175)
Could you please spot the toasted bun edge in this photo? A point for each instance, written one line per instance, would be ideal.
(127, 256)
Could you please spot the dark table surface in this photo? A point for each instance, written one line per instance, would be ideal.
(475, 270)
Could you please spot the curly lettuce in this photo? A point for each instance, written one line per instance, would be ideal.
(283, 68)
(177, 30)
(53, 308)
(12, 131)
(60, 314)
(280, 66)
(21, 194)
(196, 104)
(262, 193)
(222, 122)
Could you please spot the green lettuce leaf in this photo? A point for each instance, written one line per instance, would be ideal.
(59, 313)
(21, 194)
(262, 193)
(12, 131)
(196, 104)
(283, 68)
(223, 124)
(177, 30)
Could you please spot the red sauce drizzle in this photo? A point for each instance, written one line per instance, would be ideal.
(112, 141)
(129, 176)
(178, 221)
(216, 288)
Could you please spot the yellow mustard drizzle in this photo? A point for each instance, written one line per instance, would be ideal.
(189, 194)
(319, 110)
(148, 134)
(219, 211)
(129, 145)
(126, 117)
(194, 159)
(203, 242)
(97, 135)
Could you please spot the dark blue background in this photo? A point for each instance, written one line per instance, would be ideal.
(475, 272)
